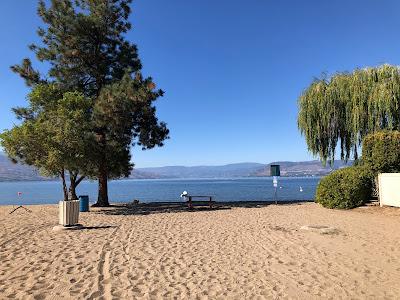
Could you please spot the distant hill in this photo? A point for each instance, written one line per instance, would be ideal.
(10, 171)
(303, 168)
(140, 174)
(17, 172)
(231, 170)
(288, 168)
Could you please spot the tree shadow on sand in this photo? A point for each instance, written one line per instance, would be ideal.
(98, 227)
(176, 207)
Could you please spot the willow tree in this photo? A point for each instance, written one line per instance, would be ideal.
(343, 109)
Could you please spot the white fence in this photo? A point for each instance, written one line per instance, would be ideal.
(389, 189)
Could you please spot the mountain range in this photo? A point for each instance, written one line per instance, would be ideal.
(231, 170)
(10, 171)
(288, 168)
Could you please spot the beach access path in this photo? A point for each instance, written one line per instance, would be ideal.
(232, 253)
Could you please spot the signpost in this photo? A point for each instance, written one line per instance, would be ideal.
(275, 173)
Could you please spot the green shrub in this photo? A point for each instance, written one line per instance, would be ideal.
(345, 188)
(381, 152)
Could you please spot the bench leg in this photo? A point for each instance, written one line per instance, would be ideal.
(190, 204)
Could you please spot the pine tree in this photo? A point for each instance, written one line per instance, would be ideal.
(84, 42)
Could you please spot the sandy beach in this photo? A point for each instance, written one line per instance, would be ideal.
(235, 253)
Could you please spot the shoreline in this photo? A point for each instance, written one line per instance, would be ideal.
(249, 203)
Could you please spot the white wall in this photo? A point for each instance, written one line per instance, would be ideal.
(389, 189)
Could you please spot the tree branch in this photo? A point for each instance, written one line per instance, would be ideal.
(79, 180)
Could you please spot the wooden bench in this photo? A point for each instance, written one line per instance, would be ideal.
(190, 200)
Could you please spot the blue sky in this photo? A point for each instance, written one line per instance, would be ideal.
(232, 70)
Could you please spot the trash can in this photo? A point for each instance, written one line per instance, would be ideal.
(84, 203)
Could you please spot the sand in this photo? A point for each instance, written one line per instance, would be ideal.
(236, 253)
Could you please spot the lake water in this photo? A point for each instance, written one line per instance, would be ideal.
(169, 190)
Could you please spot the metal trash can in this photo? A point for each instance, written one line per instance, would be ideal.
(84, 203)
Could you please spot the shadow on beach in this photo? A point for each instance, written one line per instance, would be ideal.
(176, 207)
(99, 227)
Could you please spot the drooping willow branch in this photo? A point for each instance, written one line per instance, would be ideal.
(343, 109)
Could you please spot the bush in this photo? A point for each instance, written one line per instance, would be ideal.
(344, 188)
(381, 152)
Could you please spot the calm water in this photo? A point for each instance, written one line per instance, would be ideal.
(157, 190)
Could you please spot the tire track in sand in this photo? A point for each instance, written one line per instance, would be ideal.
(103, 268)
(106, 276)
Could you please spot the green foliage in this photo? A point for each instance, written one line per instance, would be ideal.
(84, 43)
(381, 152)
(57, 137)
(131, 100)
(344, 188)
(345, 108)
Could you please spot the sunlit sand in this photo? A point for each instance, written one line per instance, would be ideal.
(234, 253)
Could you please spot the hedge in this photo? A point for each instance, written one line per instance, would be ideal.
(344, 188)
(381, 152)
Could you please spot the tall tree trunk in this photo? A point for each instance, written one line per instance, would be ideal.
(65, 191)
(102, 198)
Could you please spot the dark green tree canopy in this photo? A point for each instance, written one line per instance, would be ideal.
(125, 113)
(84, 43)
(345, 108)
